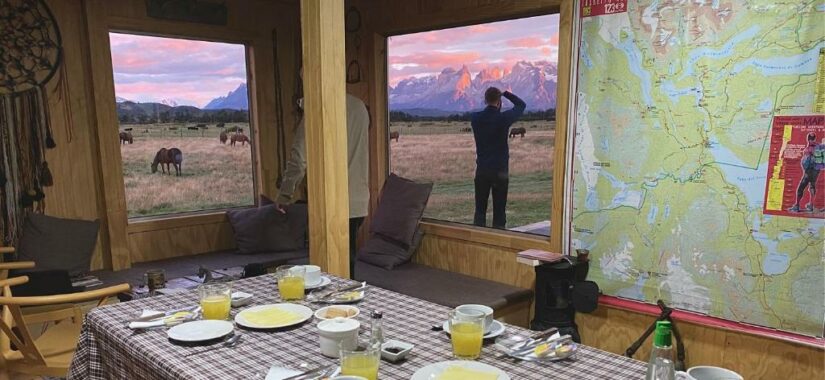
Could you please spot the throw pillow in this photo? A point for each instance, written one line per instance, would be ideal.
(58, 244)
(388, 254)
(265, 229)
(400, 209)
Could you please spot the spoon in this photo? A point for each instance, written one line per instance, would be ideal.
(232, 341)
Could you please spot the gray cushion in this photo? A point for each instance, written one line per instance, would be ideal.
(265, 229)
(55, 243)
(386, 253)
(400, 209)
(441, 287)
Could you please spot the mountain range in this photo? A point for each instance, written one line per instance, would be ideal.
(459, 91)
(237, 99)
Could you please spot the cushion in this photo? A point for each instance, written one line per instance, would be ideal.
(400, 209)
(55, 243)
(265, 229)
(386, 253)
(263, 200)
(442, 287)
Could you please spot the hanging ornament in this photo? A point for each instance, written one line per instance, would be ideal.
(31, 54)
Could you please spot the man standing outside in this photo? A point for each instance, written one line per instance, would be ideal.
(490, 131)
(358, 121)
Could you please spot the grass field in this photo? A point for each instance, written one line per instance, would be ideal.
(444, 153)
(214, 175)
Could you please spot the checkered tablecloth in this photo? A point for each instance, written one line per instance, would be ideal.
(109, 350)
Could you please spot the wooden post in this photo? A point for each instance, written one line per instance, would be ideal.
(322, 34)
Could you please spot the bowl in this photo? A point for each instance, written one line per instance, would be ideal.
(239, 299)
(395, 350)
(342, 311)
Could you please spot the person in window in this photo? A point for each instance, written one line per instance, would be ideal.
(358, 121)
(490, 131)
(810, 170)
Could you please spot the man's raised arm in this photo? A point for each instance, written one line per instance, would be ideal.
(518, 106)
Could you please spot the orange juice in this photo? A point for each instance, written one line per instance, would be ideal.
(466, 338)
(215, 307)
(291, 288)
(365, 366)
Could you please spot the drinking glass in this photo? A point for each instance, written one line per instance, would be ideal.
(216, 300)
(362, 362)
(466, 333)
(290, 282)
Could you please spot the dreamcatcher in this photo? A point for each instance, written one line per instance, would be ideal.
(30, 55)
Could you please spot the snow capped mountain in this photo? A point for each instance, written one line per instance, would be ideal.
(237, 99)
(121, 100)
(169, 102)
(457, 90)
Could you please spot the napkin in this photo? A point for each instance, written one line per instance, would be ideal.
(161, 321)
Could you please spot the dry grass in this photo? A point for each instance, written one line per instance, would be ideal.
(214, 176)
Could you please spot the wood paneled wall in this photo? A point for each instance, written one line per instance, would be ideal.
(492, 255)
(86, 163)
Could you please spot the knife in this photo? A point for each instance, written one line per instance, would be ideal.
(342, 290)
(306, 375)
(536, 343)
(539, 336)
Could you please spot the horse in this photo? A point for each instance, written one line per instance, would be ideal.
(394, 135)
(220, 125)
(238, 137)
(222, 137)
(518, 131)
(466, 129)
(126, 137)
(168, 156)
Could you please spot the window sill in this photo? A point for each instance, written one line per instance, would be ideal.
(166, 222)
(497, 238)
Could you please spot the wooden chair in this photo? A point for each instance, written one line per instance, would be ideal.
(50, 353)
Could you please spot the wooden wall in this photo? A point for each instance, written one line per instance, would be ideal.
(86, 163)
(491, 255)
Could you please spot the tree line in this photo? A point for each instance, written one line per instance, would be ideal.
(178, 115)
(548, 114)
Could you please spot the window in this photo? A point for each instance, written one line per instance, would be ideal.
(437, 81)
(184, 124)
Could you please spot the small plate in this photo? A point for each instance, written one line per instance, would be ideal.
(433, 370)
(324, 282)
(321, 313)
(200, 331)
(496, 330)
(246, 317)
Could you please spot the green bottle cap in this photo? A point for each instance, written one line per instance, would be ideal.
(662, 335)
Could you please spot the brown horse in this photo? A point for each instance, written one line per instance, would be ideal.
(518, 131)
(239, 137)
(394, 135)
(126, 137)
(168, 156)
(222, 137)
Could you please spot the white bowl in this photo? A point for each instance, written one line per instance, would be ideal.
(394, 357)
(321, 313)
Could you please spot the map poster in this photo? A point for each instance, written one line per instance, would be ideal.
(602, 7)
(794, 186)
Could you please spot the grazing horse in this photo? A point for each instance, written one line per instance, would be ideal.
(168, 156)
(239, 137)
(466, 129)
(222, 137)
(126, 137)
(518, 131)
(394, 135)
(220, 125)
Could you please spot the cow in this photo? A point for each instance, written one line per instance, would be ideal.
(126, 137)
(193, 128)
(518, 131)
(222, 137)
(220, 125)
(200, 126)
(394, 135)
(466, 129)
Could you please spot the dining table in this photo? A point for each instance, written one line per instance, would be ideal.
(109, 349)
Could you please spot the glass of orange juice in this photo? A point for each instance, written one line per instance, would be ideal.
(466, 333)
(361, 362)
(215, 300)
(290, 282)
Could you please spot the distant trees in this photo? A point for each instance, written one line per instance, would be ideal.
(548, 114)
(181, 114)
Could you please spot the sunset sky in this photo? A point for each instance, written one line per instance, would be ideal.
(189, 72)
(494, 44)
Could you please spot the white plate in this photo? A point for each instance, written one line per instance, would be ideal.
(324, 282)
(303, 312)
(496, 330)
(431, 371)
(200, 331)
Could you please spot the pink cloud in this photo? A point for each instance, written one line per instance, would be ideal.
(526, 42)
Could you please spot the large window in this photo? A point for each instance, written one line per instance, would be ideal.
(184, 124)
(437, 81)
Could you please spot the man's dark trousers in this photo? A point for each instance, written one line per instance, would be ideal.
(497, 182)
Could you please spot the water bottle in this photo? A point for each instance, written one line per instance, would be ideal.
(661, 365)
(376, 330)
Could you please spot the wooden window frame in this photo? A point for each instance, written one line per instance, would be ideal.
(499, 238)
